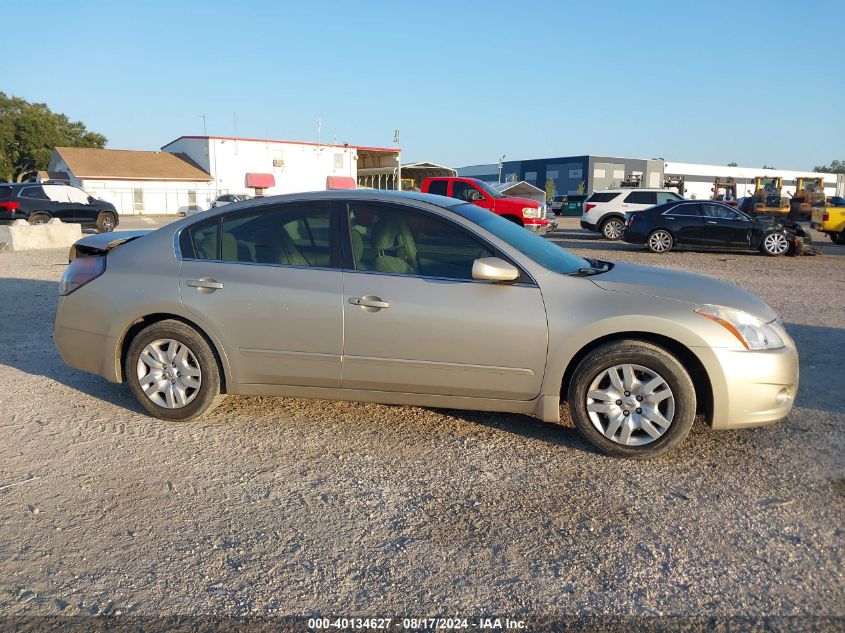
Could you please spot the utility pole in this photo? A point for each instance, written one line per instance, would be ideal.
(501, 162)
(204, 130)
(398, 160)
(319, 126)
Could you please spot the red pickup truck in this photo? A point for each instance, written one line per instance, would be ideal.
(528, 213)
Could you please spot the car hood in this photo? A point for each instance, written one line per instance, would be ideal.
(525, 202)
(681, 286)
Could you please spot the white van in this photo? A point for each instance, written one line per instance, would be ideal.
(604, 211)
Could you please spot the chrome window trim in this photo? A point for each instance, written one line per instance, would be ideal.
(683, 215)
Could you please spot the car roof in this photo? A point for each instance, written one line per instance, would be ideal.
(368, 195)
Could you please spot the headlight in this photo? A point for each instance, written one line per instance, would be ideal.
(751, 331)
(531, 212)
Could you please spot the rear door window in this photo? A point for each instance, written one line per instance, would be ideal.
(33, 193)
(642, 197)
(438, 187)
(602, 196)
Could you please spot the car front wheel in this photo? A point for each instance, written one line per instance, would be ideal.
(660, 241)
(172, 371)
(632, 399)
(612, 229)
(774, 244)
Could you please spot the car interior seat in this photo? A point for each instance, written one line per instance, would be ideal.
(394, 246)
(275, 246)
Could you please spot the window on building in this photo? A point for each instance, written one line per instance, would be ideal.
(192, 198)
(530, 176)
(138, 200)
(438, 187)
(338, 161)
(554, 174)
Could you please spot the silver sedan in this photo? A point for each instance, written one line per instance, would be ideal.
(418, 300)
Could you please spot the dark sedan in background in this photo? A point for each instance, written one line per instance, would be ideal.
(712, 224)
(38, 203)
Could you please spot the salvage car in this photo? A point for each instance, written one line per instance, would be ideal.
(715, 225)
(415, 299)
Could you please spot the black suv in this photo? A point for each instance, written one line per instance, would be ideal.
(38, 203)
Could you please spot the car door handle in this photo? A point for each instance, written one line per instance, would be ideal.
(712, 222)
(205, 284)
(369, 301)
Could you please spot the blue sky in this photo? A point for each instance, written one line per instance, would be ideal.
(744, 81)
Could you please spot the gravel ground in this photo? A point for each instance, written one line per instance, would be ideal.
(274, 507)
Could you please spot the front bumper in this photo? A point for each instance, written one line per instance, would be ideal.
(753, 388)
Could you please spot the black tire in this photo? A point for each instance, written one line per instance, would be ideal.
(653, 359)
(106, 222)
(838, 238)
(660, 241)
(612, 228)
(204, 399)
(775, 244)
(38, 218)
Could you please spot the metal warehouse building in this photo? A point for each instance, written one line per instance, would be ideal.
(585, 174)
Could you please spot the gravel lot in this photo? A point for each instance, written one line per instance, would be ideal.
(274, 507)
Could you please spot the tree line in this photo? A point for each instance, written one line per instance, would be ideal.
(29, 132)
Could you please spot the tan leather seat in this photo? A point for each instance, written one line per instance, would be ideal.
(394, 245)
(275, 246)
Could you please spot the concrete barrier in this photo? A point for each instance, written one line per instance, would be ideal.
(20, 235)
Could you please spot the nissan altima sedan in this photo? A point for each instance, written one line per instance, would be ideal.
(416, 299)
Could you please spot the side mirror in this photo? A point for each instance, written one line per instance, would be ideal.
(475, 196)
(494, 269)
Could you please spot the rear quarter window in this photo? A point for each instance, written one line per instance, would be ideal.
(602, 196)
(33, 193)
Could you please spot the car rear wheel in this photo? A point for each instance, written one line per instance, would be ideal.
(632, 399)
(106, 222)
(172, 371)
(774, 244)
(612, 228)
(838, 238)
(39, 218)
(660, 241)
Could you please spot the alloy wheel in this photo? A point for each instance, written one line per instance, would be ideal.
(613, 229)
(776, 244)
(660, 242)
(107, 223)
(630, 404)
(168, 373)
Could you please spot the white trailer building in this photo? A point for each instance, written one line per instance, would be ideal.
(270, 167)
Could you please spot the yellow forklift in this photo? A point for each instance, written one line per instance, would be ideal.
(767, 196)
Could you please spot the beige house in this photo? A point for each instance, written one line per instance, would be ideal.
(136, 182)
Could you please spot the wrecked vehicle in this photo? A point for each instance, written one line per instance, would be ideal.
(709, 223)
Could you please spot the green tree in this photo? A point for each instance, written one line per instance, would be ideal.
(836, 167)
(29, 132)
(550, 189)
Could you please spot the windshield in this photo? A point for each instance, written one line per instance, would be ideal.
(539, 249)
(490, 191)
